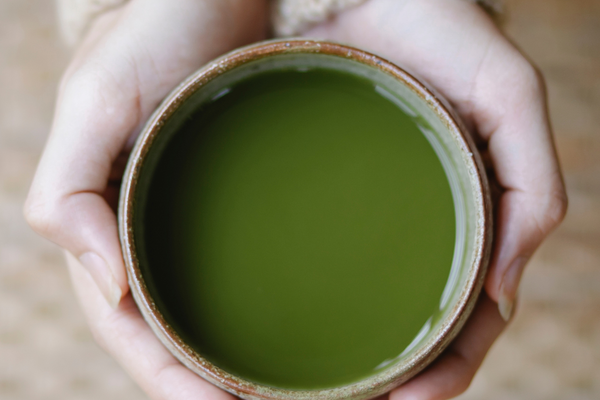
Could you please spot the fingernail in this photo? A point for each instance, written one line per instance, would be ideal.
(106, 282)
(505, 305)
(509, 287)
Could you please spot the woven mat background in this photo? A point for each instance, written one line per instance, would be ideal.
(551, 351)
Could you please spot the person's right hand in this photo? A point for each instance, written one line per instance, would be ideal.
(455, 46)
(132, 57)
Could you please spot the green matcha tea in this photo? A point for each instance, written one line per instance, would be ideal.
(298, 229)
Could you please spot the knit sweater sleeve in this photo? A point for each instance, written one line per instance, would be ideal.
(289, 17)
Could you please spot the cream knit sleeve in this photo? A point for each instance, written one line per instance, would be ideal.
(289, 17)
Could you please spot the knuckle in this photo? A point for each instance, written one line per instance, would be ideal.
(463, 381)
(83, 80)
(86, 79)
(530, 79)
(72, 77)
(557, 207)
(98, 333)
(98, 336)
(461, 386)
(549, 215)
(40, 215)
(460, 372)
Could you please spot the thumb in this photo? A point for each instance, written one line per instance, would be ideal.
(85, 225)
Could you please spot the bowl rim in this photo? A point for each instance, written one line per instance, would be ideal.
(377, 383)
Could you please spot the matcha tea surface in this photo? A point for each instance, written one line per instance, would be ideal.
(298, 231)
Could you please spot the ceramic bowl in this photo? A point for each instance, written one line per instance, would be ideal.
(441, 127)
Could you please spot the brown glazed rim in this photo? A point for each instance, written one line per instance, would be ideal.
(388, 378)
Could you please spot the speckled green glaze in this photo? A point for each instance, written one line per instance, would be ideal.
(439, 125)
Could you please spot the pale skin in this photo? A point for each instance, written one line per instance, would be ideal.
(134, 55)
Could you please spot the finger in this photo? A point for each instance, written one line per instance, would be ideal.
(453, 372)
(454, 46)
(126, 336)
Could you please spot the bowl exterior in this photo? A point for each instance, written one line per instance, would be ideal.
(370, 387)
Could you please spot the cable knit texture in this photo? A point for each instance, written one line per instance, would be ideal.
(290, 17)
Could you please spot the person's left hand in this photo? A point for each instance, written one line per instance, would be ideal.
(131, 58)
